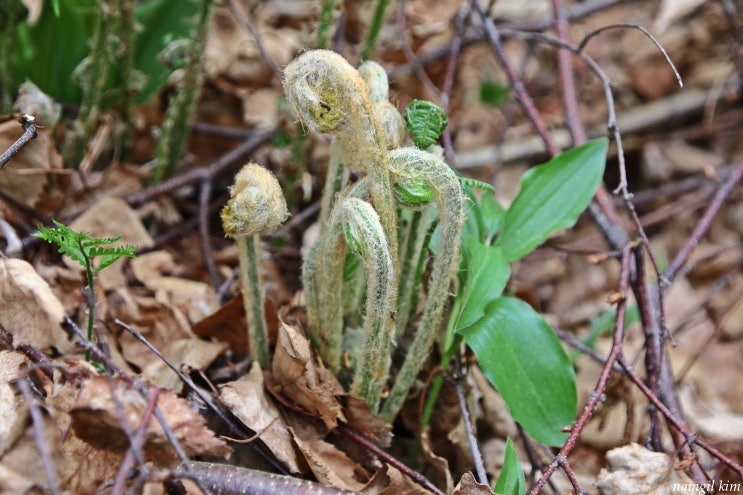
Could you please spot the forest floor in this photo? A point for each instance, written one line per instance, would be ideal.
(681, 146)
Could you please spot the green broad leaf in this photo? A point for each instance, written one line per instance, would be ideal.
(493, 215)
(163, 21)
(552, 197)
(523, 359)
(511, 480)
(485, 279)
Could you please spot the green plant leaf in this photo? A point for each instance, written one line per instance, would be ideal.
(425, 122)
(523, 359)
(485, 279)
(552, 197)
(493, 93)
(511, 480)
(163, 21)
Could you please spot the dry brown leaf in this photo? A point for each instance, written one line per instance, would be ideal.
(439, 464)
(389, 480)
(13, 482)
(361, 419)
(297, 377)
(635, 469)
(29, 310)
(227, 324)
(468, 485)
(13, 410)
(330, 465)
(247, 400)
(111, 217)
(190, 352)
(25, 176)
(95, 421)
(672, 10)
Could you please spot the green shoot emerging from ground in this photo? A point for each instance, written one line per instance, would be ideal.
(83, 248)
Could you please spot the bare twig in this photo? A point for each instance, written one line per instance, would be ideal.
(245, 23)
(38, 425)
(482, 475)
(625, 25)
(29, 132)
(590, 406)
(205, 193)
(372, 447)
(703, 225)
(494, 38)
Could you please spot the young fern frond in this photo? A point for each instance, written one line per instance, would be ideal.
(328, 95)
(412, 170)
(81, 247)
(425, 121)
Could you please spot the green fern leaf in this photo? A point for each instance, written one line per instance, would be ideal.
(425, 121)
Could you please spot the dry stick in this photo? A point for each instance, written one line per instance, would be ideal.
(616, 347)
(703, 225)
(134, 382)
(673, 420)
(205, 193)
(243, 20)
(451, 70)
(29, 133)
(372, 447)
(215, 168)
(656, 361)
(576, 11)
(523, 97)
(482, 475)
(136, 442)
(37, 421)
(567, 80)
(411, 57)
(534, 461)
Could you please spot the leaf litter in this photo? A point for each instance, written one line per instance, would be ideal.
(295, 408)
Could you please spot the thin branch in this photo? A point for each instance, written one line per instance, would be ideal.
(29, 132)
(593, 400)
(205, 193)
(245, 23)
(494, 38)
(38, 425)
(625, 25)
(372, 447)
(704, 223)
(482, 475)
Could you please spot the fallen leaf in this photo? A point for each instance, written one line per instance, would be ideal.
(468, 485)
(438, 463)
(330, 465)
(247, 400)
(25, 176)
(13, 410)
(672, 10)
(13, 482)
(96, 421)
(635, 469)
(296, 376)
(30, 311)
(189, 352)
(388, 480)
(226, 324)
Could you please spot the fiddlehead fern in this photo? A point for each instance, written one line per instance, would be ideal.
(416, 174)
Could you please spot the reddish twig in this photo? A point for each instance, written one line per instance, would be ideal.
(205, 192)
(238, 153)
(374, 448)
(245, 23)
(38, 425)
(494, 38)
(590, 406)
(567, 81)
(29, 132)
(703, 225)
